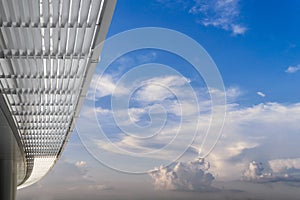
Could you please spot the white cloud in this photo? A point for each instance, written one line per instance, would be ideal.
(255, 171)
(281, 170)
(261, 94)
(232, 93)
(161, 88)
(222, 14)
(191, 176)
(260, 132)
(283, 165)
(102, 111)
(238, 29)
(247, 131)
(292, 69)
(165, 138)
(239, 146)
(136, 113)
(81, 164)
(101, 86)
(147, 57)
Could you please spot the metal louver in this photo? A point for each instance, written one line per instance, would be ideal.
(47, 57)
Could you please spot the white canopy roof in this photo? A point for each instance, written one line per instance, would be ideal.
(48, 52)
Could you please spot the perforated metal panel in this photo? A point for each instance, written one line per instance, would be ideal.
(47, 56)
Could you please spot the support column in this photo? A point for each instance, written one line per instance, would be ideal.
(8, 180)
(8, 163)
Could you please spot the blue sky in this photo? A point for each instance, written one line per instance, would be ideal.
(256, 48)
(259, 56)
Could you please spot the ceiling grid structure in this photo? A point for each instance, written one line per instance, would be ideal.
(48, 52)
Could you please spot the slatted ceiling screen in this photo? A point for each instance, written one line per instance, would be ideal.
(53, 27)
(45, 52)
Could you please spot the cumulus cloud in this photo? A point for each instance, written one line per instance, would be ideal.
(283, 166)
(281, 170)
(292, 69)
(262, 132)
(261, 94)
(191, 176)
(255, 171)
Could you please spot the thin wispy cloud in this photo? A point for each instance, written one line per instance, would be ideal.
(293, 69)
(232, 93)
(223, 14)
(261, 94)
(155, 88)
(105, 84)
